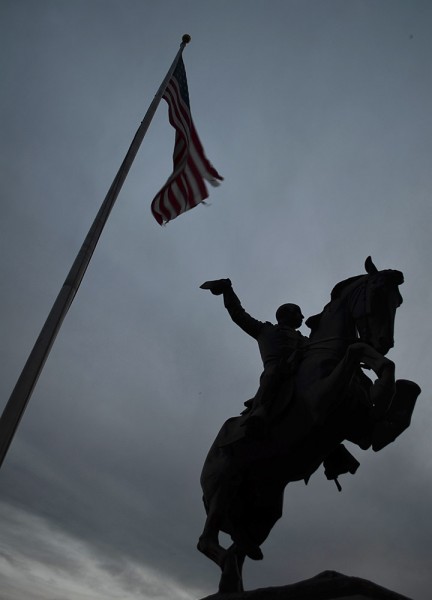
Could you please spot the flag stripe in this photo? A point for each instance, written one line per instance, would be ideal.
(178, 120)
(185, 188)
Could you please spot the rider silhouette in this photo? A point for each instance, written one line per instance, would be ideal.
(276, 343)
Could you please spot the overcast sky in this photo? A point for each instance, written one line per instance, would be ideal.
(318, 115)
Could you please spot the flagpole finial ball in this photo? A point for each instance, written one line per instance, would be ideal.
(186, 38)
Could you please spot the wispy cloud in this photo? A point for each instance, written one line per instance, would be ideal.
(41, 562)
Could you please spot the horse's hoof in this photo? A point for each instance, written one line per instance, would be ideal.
(212, 550)
(253, 551)
(398, 416)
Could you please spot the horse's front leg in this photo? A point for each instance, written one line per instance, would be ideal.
(325, 394)
(384, 387)
(326, 391)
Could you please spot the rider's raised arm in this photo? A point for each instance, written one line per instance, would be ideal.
(238, 314)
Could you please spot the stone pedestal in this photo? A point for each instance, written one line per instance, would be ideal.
(328, 585)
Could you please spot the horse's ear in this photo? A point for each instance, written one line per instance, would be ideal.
(370, 267)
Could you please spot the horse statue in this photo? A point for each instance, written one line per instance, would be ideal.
(325, 398)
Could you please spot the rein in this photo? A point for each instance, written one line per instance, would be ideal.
(310, 346)
(331, 339)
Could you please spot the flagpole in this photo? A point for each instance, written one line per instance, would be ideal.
(24, 387)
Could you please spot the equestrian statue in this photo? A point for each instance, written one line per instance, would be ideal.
(313, 395)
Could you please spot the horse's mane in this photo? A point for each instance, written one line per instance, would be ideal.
(313, 321)
(342, 285)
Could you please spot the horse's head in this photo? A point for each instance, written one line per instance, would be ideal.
(372, 300)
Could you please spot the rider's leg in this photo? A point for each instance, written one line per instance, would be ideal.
(257, 419)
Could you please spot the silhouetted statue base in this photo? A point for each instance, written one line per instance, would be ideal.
(328, 585)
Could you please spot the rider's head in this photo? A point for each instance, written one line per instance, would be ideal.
(290, 315)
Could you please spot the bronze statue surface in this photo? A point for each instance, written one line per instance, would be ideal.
(313, 394)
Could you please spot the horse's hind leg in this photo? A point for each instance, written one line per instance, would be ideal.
(231, 579)
(217, 510)
(208, 542)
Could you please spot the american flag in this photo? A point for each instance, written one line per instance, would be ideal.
(186, 187)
